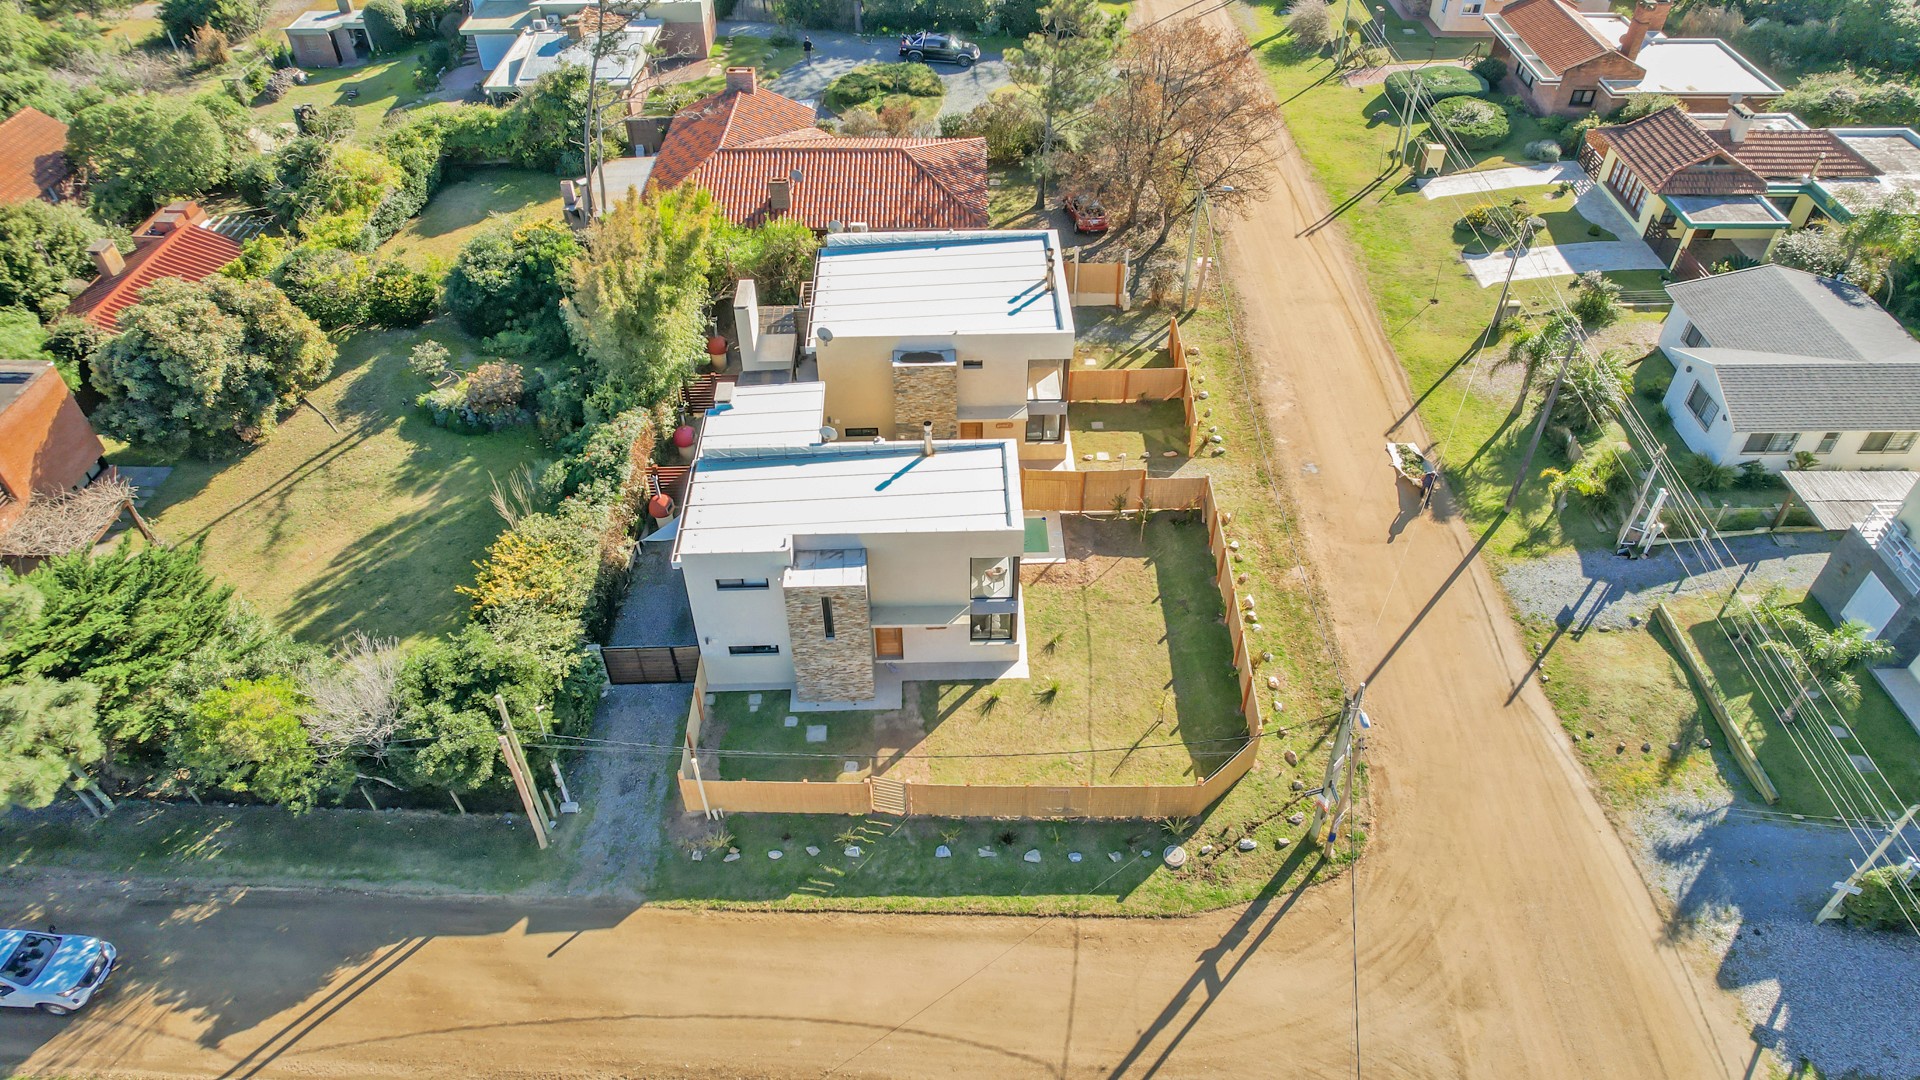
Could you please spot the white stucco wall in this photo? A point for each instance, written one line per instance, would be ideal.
(858, 371)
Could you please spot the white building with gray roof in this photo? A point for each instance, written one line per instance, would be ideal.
(1769, 362)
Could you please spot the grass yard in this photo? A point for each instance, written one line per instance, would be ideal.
(739, 50)
(385, 84)
(1629, 688)
(269, 846)
(1127, 649)
(369, 528)
(1132, 436)
(756, 744)
(466, 204)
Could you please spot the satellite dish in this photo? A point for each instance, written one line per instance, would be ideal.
(794, 176)
(823, 333)
(835, 226)
(827, 434)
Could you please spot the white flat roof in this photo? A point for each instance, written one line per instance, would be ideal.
(1696, 66)
(327, 21)
(940, 284)
(761, 418)
(760, 503)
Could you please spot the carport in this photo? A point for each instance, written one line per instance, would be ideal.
(1842, 498)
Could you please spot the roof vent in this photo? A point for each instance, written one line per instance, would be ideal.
(926, 438)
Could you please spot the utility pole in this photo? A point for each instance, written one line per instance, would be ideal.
(516, 759)
(588, 127)
(1546, 410)
(1851, 887)
(1524, 241)
(1336, 791)
(1640, 499)
(1200, 206)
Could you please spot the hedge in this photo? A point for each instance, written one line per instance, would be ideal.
(1475, 124)
(1440, 83)
(875, 82)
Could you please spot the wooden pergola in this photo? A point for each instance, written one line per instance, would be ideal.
(1841, 498)
(68, 521)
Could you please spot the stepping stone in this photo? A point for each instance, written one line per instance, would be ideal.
(849, 766)
(1090, 362)
(1247, 843)
(1074, 856)
(853, 851)
(1863, 763)
(1146, 854)
(811, 850)
(1175, 857)
(1032, 855)
(732, 856)
(1295, 819)
(1102, 456)
(1282, 842)
(698, 855)
(754, 699)
(1099, 425)
(1113, 856)
(987, 853)
(1206, 849)
(1839, 732)
(816, 733)
(943, 852)
(775, 854)
(791, 721)
(753, 706)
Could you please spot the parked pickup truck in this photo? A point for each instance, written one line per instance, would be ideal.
(926, 46)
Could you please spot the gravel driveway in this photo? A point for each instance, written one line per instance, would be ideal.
(1599, 589)
(1749, 886)
(835, 54)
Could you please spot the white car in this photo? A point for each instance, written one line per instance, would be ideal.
(55, 973)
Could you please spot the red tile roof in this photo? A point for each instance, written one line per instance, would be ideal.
(183, 249)
(1789, 155)
(33, 157)
(1672, 155)
(1555, 32)
(735, 141)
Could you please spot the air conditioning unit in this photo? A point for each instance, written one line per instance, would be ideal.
(539, 26)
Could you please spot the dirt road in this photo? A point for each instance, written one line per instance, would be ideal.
(1503, 931)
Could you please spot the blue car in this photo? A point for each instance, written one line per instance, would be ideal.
(55, 973)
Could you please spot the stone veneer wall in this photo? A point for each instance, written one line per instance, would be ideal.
(926, 392)
(837, 670)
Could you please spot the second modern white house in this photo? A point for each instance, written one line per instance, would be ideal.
(1771, 361)
(837, 570)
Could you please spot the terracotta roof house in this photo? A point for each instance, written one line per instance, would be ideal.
(1703, 189)
(175, 242)
(1570, 61)
(46, 446)
(762, 157)
(33, 158)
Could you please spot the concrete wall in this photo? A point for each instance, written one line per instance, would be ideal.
(726, 617)
(837, 668)
(313, 50)
(1847, 568)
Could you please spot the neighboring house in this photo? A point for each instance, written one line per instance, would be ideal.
(46, 444)
(533, 53)
(1706, 189)
(810, 565)
(1771, 361)
(1568, 61)
(33, 158)
(175, 242)
(1873, 577)
(495, 26)
(325, 39)
(972, 331)
(762, 157)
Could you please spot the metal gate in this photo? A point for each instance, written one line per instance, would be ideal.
(666, 664)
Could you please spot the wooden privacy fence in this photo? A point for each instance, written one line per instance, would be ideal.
(1097, 284)
(1103, 491)
(662, 664)
(1141, 384)
(699, 792)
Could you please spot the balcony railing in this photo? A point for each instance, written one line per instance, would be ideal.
(1887, 535)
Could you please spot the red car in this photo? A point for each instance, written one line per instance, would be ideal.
(1088, 215)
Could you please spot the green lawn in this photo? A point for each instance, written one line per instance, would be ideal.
(368, 528)
(464, 206)
(1629, 689)
(735, 727)
(384, 84)
(1126, 648)
(1129, 435)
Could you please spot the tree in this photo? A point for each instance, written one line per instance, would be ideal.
(236, 18)
(511, 278)
(206, 364)
(778, 256)
(140, 151)
(1816, 657)
(1595, 386)
(640, 295)
(246, 737)
(48, 729)
(1596, 300)
(447, 713)
(42, 247)
(353, 705)
(1311, 23)
(1008, 120)
(1063, 69)
(387, 25)
(1191, 114)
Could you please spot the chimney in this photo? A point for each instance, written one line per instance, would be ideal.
(779, 195)
(574, 30)
(1739, 120)
(926, 438)
(1649, 17)
(345, 6)
(106, 258)
(746, 318)
(162, 224)
(744, 79)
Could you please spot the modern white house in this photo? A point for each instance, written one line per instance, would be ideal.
(1771, 361)
(837, 570)
(970, 330)
(539, 49)
(494, 26)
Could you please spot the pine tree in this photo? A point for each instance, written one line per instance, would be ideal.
(47, 731)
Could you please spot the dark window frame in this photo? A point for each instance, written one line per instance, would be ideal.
(826, 616)
(1769, 442)
(753, 650)
(1707, 415)
(736, 584)
(1890, 442)
(863, 433)
(1827, 443)
(981, 627)
(1581, 97)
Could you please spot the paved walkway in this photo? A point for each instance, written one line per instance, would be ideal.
(1548, 260)
(1475, 183)
(835, 54)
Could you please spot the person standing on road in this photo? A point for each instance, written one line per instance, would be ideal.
(1428, 481)
(806, 46)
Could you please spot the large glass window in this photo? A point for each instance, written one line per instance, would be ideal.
(1045, 427)
(1771, 442)
(995, 579)
(998, 627)
(1702, 406)
(1581, 97)
(1693, 338)
(1887, 442)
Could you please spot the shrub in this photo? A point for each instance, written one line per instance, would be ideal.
(1473, 123)
(870, 83)
(1311, 23)
(1754, 474)
(1574, 135)
(428, 360)
(1703, 474)
(1881, 904)
(1655, 389)
(329, 123)
(279, 83)
(1544, 150)
(398, 295)
(1009, 122)
(1438, 83)
(1838, 98)
(424, 17)
(326, 283)
(512, 278)
(1596, 300)
(495, 388)
(211, 48)
(1492, 71)
(386, 24)
(246, 737)
(1639, 105)
(235, 18)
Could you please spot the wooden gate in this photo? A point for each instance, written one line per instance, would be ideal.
(667, 664)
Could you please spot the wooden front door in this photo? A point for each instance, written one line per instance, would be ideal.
(889, 642)
(972, 431)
